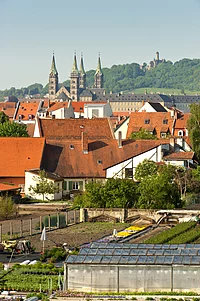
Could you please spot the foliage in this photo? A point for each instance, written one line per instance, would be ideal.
(142, 134)
(3, 117)
(157, 192)
(13, 129)
(145, 169)
(114, 193)
(168, 235)
(193, 125)
(43, 185)
(186, 237)
(55, 254)
(181, 75)
(7, 207)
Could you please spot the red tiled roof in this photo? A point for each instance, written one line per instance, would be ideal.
(67, 159)
(8, 108)
(179, 156)
(58, 105)
(19, 154)
(26, 109)
(98, 128)
(137, 120)
(5, 187)
(181, 123)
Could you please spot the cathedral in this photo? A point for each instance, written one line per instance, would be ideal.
(77, 90)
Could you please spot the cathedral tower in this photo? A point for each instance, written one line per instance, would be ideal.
(53, 80)
(74, 80)
(82, 75)
(98, 77)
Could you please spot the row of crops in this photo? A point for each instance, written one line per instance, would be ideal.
(186, 232)
(38, 277)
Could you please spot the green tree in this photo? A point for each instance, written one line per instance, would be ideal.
(3, 117)
(120, 193)
(157, 192)
(7, 207)
(193, 125)
(13, 129)
(43, 185)
(142, 134)
(144, 169)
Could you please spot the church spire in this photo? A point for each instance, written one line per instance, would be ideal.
(53, 66)
(98, 77)
(82, 77)
(53, 80)
(98, 70)
(82, 70)
(74, 67)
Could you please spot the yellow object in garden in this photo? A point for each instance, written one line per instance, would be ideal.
(135, 228)
(123, 234)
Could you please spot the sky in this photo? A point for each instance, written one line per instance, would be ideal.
(122, 31)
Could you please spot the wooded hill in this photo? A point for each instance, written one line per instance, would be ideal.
(183, 75)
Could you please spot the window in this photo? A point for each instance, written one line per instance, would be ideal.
(163, 135)
(128, 173)
(180, 133)
(95, 113)
(30, 117)
(75, 185)
(147, 121)
(165, 121)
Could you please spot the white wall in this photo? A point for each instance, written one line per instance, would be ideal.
(123, 128)
(104, 110)
(31, 180)
(119, 169)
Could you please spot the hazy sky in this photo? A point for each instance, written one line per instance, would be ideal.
(123, 31)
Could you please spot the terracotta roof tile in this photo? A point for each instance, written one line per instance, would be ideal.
(99, 128)
(26, 109)
(179, 156)
(19, 154)
(67, 159)
(5, 187)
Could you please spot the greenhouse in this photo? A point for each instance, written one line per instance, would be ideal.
(120, 267)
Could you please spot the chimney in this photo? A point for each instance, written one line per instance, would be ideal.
(84, 137)
(120, 139)
(53, 116)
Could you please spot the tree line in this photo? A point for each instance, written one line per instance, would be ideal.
(183, 75)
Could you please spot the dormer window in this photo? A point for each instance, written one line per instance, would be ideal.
(147, 121)
(180, 133)
(19, 118)
(165, 121)
(71, 146)
(29, 117)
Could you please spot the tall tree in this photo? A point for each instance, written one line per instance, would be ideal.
(193, 126)
(144, 169)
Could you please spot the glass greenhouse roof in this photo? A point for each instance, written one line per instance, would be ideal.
(148, 254)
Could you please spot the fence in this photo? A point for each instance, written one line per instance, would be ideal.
(25, 227)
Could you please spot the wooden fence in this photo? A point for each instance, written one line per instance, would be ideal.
(25, 227)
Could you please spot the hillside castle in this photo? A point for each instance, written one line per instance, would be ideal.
(77, 90)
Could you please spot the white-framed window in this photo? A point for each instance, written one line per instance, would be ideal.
(180, 133)
(163, 135)
(75, 185)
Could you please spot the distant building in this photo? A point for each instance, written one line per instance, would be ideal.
(156, 61)
(77, 90)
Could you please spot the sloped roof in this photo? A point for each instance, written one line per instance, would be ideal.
(158, 107)
(20, 154)
(181, 122)
(58, 105)
(179, 156)
(98, 128)
(30, 129)
(26, 109)
(6, 187)
(66, 158)
(8, 108)
(156, 121)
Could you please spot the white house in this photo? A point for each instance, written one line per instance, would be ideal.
(32, 179)
(95, 110)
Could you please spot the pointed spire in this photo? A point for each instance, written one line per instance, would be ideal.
(74, 67)
(98, 70)
(53, 66)
(82, 70)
